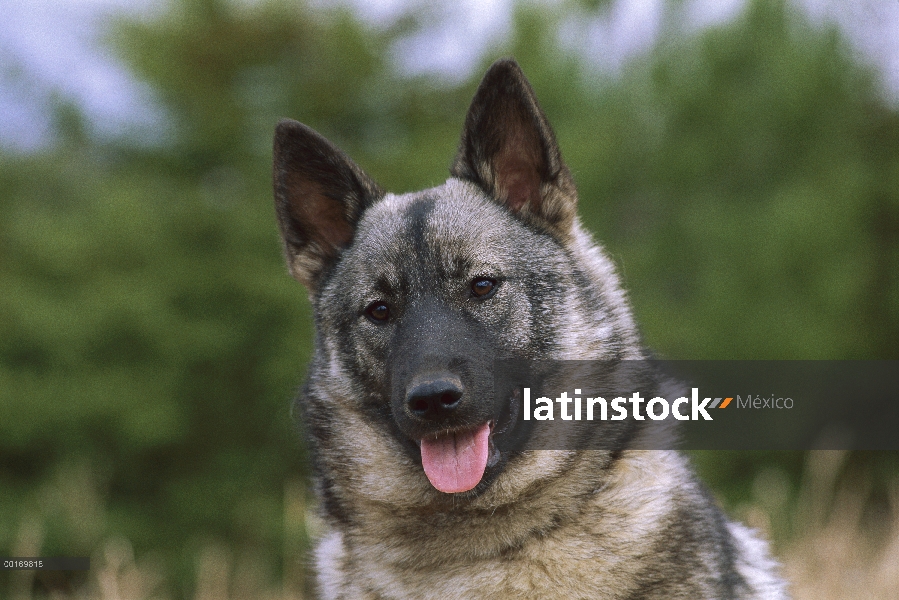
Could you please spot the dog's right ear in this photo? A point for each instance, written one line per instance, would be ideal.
(509, 150)
(320, 194)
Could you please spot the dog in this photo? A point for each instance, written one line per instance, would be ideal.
(423, 493)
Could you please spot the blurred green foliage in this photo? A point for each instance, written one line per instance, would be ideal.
(746, 179)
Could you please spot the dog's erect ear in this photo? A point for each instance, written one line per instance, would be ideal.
(319, 196)
(510, 151)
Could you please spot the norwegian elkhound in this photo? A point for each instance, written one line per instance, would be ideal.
(414, 296)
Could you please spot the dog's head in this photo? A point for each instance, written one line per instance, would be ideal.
(416, 295)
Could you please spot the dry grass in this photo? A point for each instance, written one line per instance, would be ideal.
(827, 543)
(824, 537)
(836, 553)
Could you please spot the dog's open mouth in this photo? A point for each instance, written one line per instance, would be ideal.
(455, 461)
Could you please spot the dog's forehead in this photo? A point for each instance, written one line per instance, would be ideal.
(454, 214)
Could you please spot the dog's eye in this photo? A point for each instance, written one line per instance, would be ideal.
(483, 287)
(378, 311)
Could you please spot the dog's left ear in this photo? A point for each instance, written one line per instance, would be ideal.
(509, 150)
(320, 195)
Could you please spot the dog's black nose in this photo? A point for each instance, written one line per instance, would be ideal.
(435, 398)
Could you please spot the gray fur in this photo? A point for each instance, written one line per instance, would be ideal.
(617, 523)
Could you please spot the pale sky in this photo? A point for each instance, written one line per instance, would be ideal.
(53, 47)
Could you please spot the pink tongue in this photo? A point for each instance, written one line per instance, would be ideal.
(455, 462)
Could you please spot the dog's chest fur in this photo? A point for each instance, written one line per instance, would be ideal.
(630, 538)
